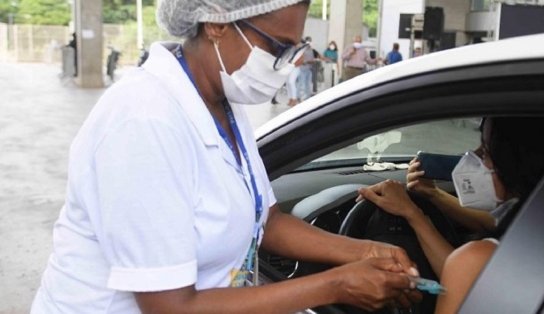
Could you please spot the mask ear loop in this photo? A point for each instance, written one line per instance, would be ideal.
(216, 46)
(243, 36)
(480, 161)
(486, 171)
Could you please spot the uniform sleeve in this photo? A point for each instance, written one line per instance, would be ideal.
(145, 217)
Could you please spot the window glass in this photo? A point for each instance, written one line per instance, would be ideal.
(454, 137)
(479, 5)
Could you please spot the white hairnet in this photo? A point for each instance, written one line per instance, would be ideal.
(181, 17)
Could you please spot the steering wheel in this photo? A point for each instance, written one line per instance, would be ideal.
(368, 221)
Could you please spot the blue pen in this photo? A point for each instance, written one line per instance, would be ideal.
(428, 285)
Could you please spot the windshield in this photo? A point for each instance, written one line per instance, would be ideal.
(452, 137)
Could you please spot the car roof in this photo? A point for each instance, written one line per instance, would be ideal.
(512, 49)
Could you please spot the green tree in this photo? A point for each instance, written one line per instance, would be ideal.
(316, 8)
(369, 14)
(122, 11)
(46, 12)
(8, 8)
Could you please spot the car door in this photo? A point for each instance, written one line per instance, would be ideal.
(456, 94)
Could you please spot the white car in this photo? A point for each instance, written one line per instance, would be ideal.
(367, 129)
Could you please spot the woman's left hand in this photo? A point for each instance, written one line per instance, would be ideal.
(390, 196)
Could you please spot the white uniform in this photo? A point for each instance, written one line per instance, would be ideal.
(155, 198)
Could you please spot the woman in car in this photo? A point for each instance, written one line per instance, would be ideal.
(499, 176)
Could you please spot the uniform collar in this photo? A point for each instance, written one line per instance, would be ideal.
(165, 67)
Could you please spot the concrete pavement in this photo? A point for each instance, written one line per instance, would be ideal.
(39, 116)
(40, 113)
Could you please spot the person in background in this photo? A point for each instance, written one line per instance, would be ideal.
(394, 55)
(330, 56)
(418, 52)
(144, 54)
(331, 53)
(355, 58)
(305, 77)
(292, 79)
(317, 70)
(496, 178)
(168, 200)
(73, 44)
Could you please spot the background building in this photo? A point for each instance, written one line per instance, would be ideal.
(448, 24)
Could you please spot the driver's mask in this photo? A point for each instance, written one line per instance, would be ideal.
(473, 183)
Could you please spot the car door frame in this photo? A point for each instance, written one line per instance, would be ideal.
(488, 89)
(521, 252)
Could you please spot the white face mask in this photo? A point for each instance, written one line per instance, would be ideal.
(256, 82)
(358, 45)
(331, 47)
(473, 183)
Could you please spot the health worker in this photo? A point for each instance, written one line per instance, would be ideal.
(168, 200)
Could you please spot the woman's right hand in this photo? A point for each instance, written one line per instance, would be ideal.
(415, 182)
(374, 283)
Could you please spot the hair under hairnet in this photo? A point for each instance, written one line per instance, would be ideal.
(181, 17)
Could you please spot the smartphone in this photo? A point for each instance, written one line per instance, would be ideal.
(437, 166)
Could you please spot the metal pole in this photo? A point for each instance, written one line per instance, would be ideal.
(31, 41)
(10, 30)
(139, 21)
(412, 40)
(16, 41)
(379, 51)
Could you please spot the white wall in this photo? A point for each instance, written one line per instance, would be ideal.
(319, 31)
(455, 16)
(4, 43)
(481, 21)
(389, 24)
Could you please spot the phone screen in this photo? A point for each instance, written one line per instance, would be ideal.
(437, 166)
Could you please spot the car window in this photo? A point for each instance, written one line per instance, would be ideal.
(452, 136)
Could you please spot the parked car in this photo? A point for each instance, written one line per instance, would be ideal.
(367, 129)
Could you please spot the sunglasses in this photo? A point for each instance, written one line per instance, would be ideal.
(284, 53)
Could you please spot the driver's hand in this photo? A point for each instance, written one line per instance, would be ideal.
(374, 283)
(415, 182)
(390, 196)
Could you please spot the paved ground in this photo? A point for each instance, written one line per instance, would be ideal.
(40, 114)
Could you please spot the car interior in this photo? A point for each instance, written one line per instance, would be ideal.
(322, 192)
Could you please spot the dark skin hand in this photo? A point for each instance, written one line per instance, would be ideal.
(370, 275)
(381, 277)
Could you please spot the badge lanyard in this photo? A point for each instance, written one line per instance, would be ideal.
(251, 262)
